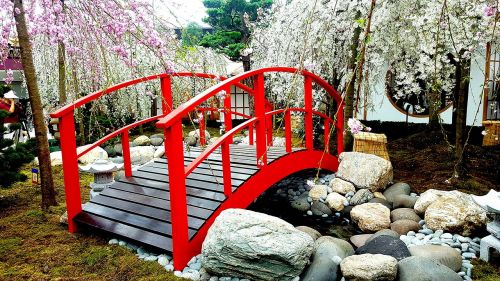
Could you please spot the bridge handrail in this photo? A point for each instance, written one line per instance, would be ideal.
(190, 105)
(96, 95)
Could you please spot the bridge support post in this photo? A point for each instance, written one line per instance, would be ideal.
(228, 117)
(127, 165)
(288, 131)
(260, 125)
(174, 148)
(308, 120)
(326, 133)
(70, 168)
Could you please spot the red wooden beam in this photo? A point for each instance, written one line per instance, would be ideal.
(260, 114)
(127, 164)
(308, 120)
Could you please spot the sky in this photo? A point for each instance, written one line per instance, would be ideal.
(180, 12)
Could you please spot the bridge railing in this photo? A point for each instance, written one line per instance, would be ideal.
(172, 125)
(67, 130)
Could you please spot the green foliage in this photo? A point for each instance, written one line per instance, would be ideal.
(192, 34)
(12, 158)
(227, 19)
(227, 42)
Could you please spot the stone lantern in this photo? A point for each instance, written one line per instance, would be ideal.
(491, 203)
(103, 175)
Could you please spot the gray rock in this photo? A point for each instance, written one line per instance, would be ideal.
(396, 189)
(118, 148)
(330, 247)
(318, 191)
(341, 186)
(404, 214)
(247, 244)
(371, 217)
(327, 251)
(442, 254)
(365, 170)
(156, 141)
(385, 245)
(191, 140)
(301, 203)
(110, 150)
(319, 209)
(427, 198)
(404, 201)
(369, 267)
(309, 231)
(422, 269)
(387, 232)
(381, 201)
(360, 239)
(360, 197)
(142, 141)
(404, 226)
(321, 269)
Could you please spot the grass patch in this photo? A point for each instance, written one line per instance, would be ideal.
(484, 271)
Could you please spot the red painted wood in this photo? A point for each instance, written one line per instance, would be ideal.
(70, 168)
(269, 124)
(166, 94)
(228, 117)
(260, 125)
(177, 181)
(340, 127)
(203, 139)
(288, 131)
(127, 164)
(226, 169)
(308, 121)
(250, 135)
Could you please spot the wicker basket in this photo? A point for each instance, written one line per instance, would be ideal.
(492, 136)
(371, 143)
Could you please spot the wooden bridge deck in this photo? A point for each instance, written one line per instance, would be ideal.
(138, 207)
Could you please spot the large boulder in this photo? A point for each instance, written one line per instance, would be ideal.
(365, 170)
(385, 245)
(455, 212)
(396, 189)
(331, 247)
(255, 246)
(423, 269)
(444, 255)
(360, 239)
(341, 186)
(371, 217)
(404, 214)
(196, 134)
(404, 201)
(427, 198)
(387, 232)
(368, 267)
(309, 231)
(404, 226)
(89, 158)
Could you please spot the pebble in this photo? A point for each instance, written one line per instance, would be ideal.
(447, 236)
(122, 243)
(426, 231)
(151, 258)
(420, 236)
(461, 274)
(467, 278)
(113, 242)
(309, 213)
(468, 255)
(411, 233)
(421, 222)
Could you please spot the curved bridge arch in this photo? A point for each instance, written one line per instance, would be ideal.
(171, 203)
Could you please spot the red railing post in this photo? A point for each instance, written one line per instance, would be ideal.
(228, 117)
(226, 169)
(288, 131)
(203, 138)
(327, 135)
(250, 135)
(127, 164)
(308, 120)
(260, 126)
(166, 93)
(70, 168)
(174, 149)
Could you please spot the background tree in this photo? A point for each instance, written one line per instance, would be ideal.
(192, 34)
(228, 18)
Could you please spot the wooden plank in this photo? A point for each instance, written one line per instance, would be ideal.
(162, 194)
(244, 153)
(208, 177)
(143, 210)
(206, 190)
(217, 157)
(154, 202)
(149, 238)
(149, 224)
(163, 169)
(248, 170)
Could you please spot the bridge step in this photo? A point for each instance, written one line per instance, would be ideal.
(138, 208)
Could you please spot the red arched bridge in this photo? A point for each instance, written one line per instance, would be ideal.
(171, 202)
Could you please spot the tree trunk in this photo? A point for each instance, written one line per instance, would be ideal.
(47, 184)
(434, 107)
(349, 95)
(61, 61)
(461, 116)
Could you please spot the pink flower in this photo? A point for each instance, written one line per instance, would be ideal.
(9, 77)
(354, 125)
(489, 11)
